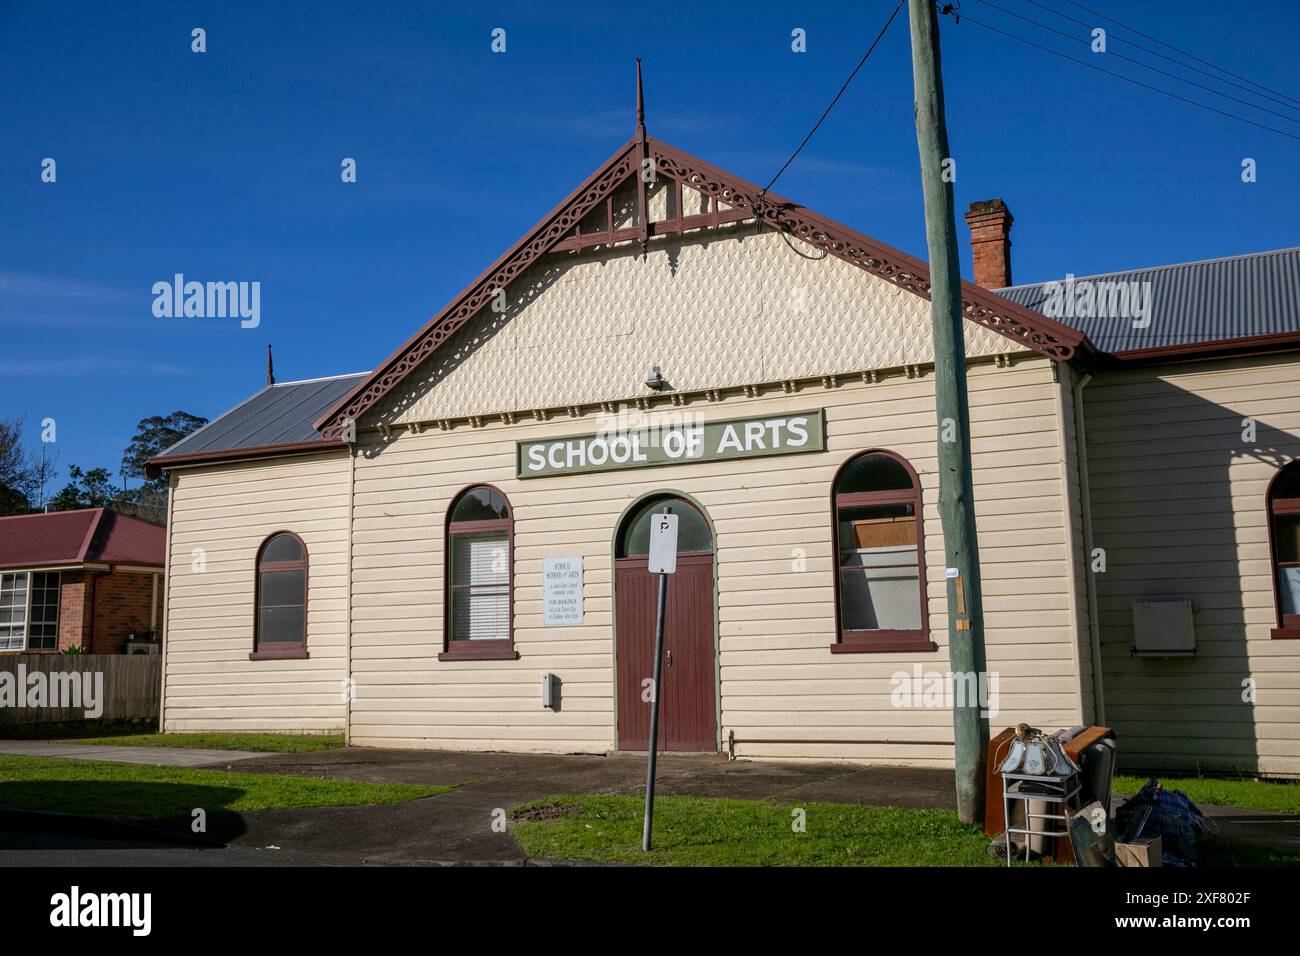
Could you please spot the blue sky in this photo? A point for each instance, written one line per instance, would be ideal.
(225, 165)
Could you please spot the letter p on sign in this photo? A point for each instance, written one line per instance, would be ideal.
(663, 544)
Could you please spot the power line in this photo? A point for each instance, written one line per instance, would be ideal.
(1145, 66)
(1129, 79)
(1170, 46)
(763, 192)
(1283, 100)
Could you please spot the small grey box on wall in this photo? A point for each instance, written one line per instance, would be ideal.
(551, 691)
(1163, 628)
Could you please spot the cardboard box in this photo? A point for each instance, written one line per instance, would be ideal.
(1145, 851)
(885, 532)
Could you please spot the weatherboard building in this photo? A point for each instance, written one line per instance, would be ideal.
(403, 554)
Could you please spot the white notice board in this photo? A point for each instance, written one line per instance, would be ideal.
(561, 591)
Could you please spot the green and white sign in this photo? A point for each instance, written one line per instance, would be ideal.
(674, 444)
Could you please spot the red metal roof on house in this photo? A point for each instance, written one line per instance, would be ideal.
(74, 537)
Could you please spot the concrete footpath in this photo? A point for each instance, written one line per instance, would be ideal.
(158, 756)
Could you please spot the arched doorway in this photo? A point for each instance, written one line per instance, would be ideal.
(688, 698)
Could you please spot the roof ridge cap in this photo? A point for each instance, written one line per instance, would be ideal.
(1159, 268)
(322, 378)
(90, 534)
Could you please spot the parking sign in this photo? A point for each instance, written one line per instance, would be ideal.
(663, 544)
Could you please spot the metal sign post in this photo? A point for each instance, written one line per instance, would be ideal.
(663, 561)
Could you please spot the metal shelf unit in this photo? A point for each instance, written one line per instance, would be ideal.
(1061, 792)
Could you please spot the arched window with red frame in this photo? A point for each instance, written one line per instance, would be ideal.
(1284, 539)
(879, 556)
(478, 620)
(280, 627)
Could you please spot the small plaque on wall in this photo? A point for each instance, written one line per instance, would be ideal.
(561, 592)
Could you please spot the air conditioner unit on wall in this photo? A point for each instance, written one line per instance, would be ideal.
(1163, 628)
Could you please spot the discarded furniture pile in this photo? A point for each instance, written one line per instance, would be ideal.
(1055, 804)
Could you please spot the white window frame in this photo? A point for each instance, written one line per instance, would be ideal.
(26, 625)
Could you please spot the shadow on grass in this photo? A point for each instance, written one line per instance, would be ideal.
(72, 729)
(1218, 852)
(114, 809)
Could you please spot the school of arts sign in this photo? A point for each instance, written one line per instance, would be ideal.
(673, 445)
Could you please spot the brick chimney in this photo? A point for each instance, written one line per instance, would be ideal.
(990, 241)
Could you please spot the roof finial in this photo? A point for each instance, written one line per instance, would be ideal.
(640, 102)
(270, 370)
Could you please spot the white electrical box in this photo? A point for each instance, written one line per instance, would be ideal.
(1163, 628)
(549, 696)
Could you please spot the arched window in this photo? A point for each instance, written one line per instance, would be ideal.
(1284, 535)
(693, 535)
(280, 630)
(880, 556)
(479, 600)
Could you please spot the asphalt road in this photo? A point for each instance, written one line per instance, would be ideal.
(28, 848)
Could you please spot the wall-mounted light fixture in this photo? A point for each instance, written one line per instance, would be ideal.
(657, 380)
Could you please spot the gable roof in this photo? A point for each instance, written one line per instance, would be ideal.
(556, 232)
(1238, 305)
(1193, 303)
(94, 535)
(277, 418)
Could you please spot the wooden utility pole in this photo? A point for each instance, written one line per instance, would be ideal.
(956, 501)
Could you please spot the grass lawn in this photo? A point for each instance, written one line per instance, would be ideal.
(691, 831)
(144, 792)
(1277, 796)
(269, 743)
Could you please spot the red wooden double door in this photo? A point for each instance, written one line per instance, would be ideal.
(688, 696)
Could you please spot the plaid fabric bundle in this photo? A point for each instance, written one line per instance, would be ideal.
(1174, 817)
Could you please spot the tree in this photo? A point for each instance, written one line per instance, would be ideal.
(86, 489)
(22, 473)
(13, 502)
(153, 436)
(148, 503)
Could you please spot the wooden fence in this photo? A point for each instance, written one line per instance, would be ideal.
(123, 685)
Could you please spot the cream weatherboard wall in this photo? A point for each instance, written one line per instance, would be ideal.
(1178, 501)
(220, 515)
(778, 678)
(743, 322)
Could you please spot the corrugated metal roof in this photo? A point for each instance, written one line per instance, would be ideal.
(1191, 302)
(279, 414)
(71, 537)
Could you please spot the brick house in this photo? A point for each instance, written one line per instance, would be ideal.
(90, 578)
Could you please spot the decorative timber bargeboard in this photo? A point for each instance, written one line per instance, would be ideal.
(560, 231)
